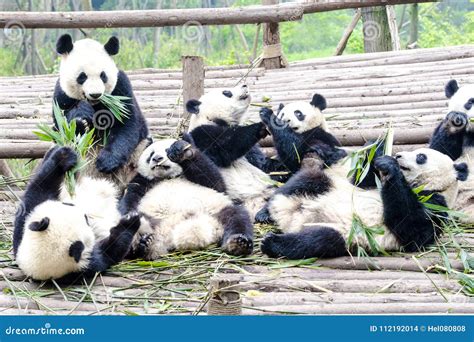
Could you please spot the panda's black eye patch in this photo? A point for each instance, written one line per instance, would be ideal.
(103, 77)
(76, 249)
(421, 158)
(227, 93)
(81, 78)
(469, 104)
(299, 115)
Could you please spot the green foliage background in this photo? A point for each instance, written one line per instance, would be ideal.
(440, 24)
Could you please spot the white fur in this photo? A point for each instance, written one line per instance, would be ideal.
(45, 255)
(313, 116)
(215, 105)
(460, 98)
(337, 207)
(179, 214)
(90, 57)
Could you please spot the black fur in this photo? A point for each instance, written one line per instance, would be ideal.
(319, 102)
(123, 138)
(238, 230)
(76, 250)
(45, 185)
(225, 144)
(451, 135)
(311, 242)
(268, 165)
(404, 215)
(462, 171)
(192, 106)
(64, 44)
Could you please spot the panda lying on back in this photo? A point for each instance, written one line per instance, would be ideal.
(59, 239)
(88, 71)
(217, 128)
(315, 209)
(181, 195)
(454, 136)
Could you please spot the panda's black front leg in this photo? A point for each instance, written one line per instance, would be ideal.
(404, 215)
(136, 189)
(238, 230)
(448, 137)
(225, 145)
(113, 249)
(289, 144)
(45, 185)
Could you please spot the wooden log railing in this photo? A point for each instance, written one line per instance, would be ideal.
(176, 17)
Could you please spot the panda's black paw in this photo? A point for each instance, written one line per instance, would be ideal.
(179, 151)
(266, 115)
(108, 162)
(82, 126)
(456, 121)
(141, 250)
(387, 167)
(238, 244)
(263, 216)
(270, 245)
(65, 158)
(130, 222)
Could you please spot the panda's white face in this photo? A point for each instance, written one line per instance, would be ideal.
(154, 163)
(424, 166)
(228, 105)
(87, 71)
(301, 116)
(57, 240)
(463, 100)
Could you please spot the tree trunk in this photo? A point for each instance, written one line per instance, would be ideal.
(376, 29)
(271, 38)
(413, 24)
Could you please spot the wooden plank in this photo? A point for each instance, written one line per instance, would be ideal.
(153, 18)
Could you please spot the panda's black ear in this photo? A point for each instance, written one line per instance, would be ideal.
(462, 171)
(451, 88)
(192, 106)
(64, 44)
(112, 46)
(39, 226)
(318, 101)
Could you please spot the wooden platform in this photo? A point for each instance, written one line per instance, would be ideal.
(364, 93)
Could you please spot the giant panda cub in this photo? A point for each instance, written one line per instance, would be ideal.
(87, 71)
(56, 237)
(454, 136)
(217, 128)
(315, 210)
(181, 196)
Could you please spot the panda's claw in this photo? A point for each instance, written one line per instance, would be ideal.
(141, 250)
(265, 115)
(65, 157)
(263, 216)
(270, 245)
(180, 150)
(238, 244)
(387, 166)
